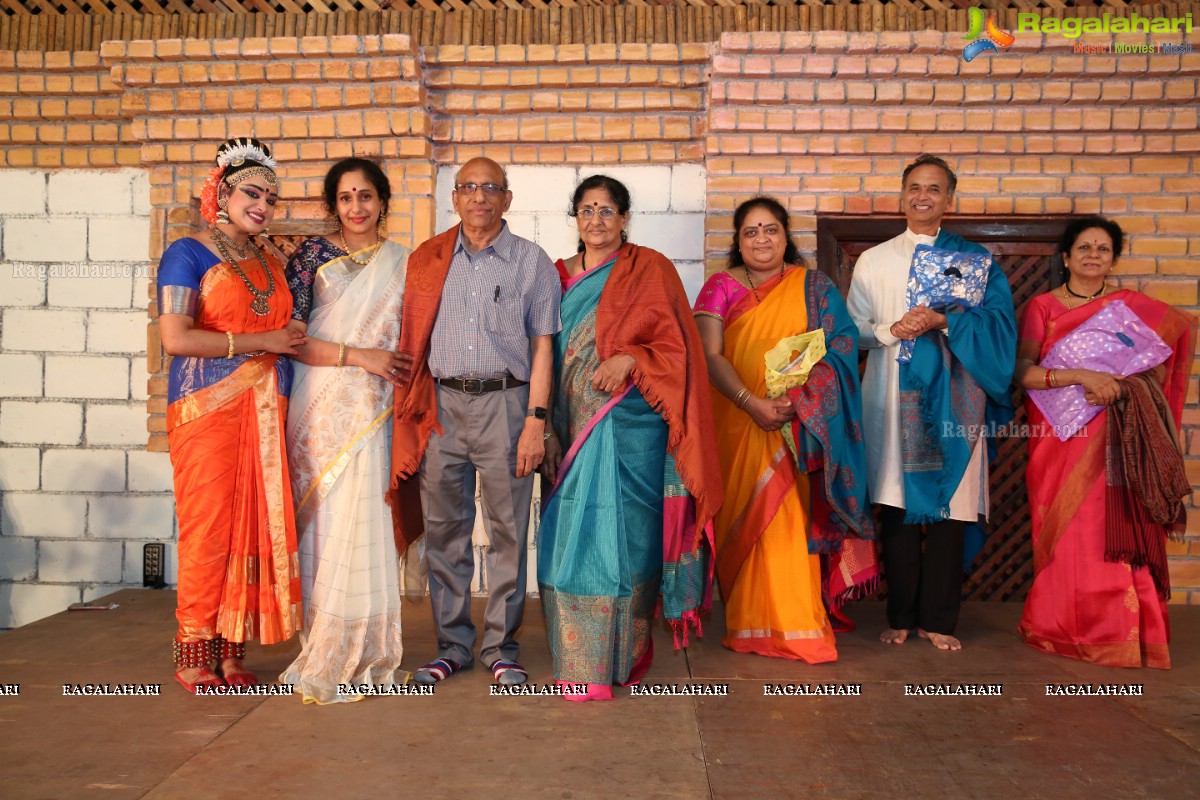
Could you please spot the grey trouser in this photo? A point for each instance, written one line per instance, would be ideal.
(481, 431)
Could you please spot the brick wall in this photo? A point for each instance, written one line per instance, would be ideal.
(826, 121)
(80, 494)
(61, 110)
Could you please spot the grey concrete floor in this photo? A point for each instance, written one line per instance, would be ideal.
(463, 743)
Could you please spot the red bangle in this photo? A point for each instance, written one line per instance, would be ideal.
(1046, 378)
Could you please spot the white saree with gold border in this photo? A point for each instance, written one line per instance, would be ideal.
(339, 445)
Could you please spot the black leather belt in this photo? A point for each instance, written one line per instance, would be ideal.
(477, 386)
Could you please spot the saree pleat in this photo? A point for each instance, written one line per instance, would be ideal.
(339, 441)
(238, 574)
(770, 582)
(1080, 605)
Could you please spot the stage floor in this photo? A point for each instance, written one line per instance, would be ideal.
(464, 743)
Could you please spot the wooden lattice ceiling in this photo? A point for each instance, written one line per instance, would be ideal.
(83, 24)
(167, 7)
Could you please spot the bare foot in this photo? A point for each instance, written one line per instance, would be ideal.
(894, 636)
(941, 641)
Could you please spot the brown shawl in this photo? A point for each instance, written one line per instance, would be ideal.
(671, 371)
(414, 414)
(1146, 479)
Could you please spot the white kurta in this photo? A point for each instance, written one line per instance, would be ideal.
(876, 301)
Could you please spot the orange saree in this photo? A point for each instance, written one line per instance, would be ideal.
(770, 582)
(1082, 606)
(238, 573)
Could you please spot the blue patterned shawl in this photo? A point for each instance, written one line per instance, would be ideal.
(955, 384)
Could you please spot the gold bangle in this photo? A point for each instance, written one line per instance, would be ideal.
(229, 355)
(341, 362)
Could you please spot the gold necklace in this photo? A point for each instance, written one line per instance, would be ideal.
(260, 305)
(1066, 294)
(241, 250)
(750, 280)
(370, 258)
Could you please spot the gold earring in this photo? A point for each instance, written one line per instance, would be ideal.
(382, 223)
(222, 214)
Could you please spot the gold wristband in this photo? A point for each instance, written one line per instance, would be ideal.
(229, 355)
(341, 362)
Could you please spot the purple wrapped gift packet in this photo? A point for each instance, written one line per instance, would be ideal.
(939, 279)
(1114, 340)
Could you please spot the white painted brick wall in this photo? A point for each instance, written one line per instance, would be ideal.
(668, 210)
(21, 284)
(24, 422)
(680, 237)
(131, 517)
(141, 290)
(24, 192)
(79, 495)
(47, 239)
(116, 332)
(20, 375)
(109, 238)
(29, 602)
(139, 378)
(41, 330)
(148, 472)
(692, 275)
(689, 188)
(92, 286)
(98, 590)
(90, 192)
(83, 470)
(139, 189)
(123, 425)
(649, 186)
(41, 515)
(87, 377)
(80, 562)
(20, 468)
(18, 558)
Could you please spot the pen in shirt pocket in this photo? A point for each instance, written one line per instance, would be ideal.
(496, 296)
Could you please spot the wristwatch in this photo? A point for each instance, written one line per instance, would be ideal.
(537, 412)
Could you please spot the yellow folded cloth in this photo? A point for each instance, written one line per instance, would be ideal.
(789, 362)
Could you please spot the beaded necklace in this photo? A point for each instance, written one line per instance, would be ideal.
(370, 258)
(750, 279)
(260, 305)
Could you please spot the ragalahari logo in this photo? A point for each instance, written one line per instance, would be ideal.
(993, 34)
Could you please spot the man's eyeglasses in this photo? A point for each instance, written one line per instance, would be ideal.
(750, 234)
(587, 213)
(490, 189)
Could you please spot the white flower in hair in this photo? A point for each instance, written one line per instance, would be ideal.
(240, 151)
